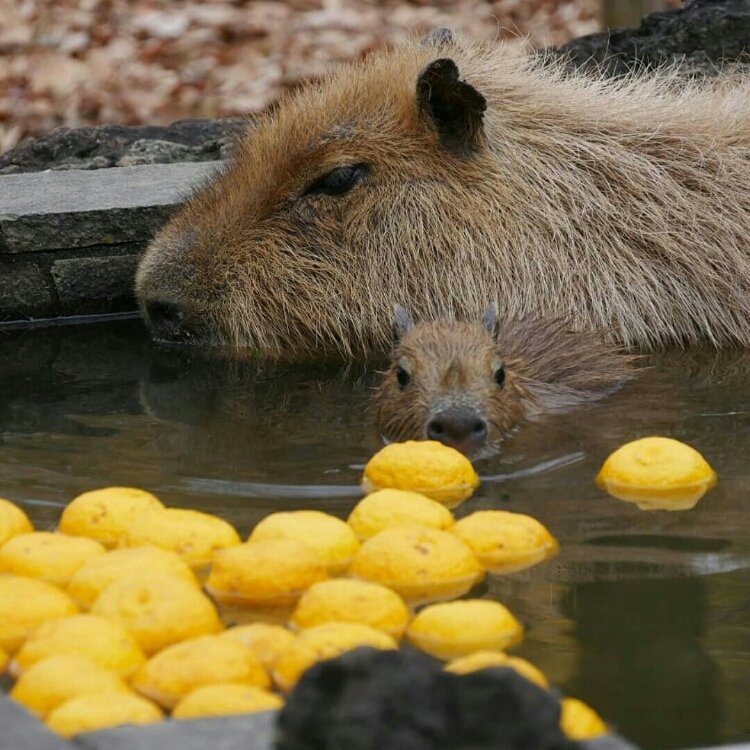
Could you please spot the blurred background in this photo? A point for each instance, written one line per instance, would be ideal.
(90, 62)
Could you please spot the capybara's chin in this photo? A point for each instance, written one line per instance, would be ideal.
(471, 384)
(446, 174)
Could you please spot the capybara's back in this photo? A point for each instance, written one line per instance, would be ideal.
(444, 174)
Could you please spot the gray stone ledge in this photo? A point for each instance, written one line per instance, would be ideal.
(20, 730)
(24, 292)
(98, 285)
(77, 208)
(251, 732)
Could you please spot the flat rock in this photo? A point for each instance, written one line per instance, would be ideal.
(24, 292)
(123, 145)
(252, 732)
(95, 284)
(70, 209)
(20, 730)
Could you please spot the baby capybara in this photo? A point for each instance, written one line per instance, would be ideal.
(449, 173)
(469, 384)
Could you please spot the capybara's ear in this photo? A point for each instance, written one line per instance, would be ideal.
(438, 38)
(490, 319)
(402, 322)
(455, 108)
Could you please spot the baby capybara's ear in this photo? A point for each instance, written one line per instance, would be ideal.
(490, 320)
(402, 322)
(438, 38)
(455, 108)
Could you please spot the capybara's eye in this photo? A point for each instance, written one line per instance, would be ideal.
(403, 377)
(338, 181)
(500, 376)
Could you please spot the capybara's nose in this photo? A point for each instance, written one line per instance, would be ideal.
(462, 429)
(167, 320)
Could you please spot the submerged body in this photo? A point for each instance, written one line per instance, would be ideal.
(447, 174)
(470, 384)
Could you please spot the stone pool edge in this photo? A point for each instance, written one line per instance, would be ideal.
(21, 730)
(70, 240)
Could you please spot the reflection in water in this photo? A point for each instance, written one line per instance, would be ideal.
(641, 659)
(643, 614)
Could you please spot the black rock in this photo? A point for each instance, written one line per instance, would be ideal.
(702, 37)
(125, 146)
(403, 700)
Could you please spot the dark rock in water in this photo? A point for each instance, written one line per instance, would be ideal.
(402, 700)
(125, 146)
(702, 37)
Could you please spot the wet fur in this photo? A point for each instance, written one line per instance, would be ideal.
(548, 368)
(621, 205)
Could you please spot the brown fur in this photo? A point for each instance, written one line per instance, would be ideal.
(621, 205)
(548, 367)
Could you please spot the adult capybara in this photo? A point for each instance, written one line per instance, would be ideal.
(469, 384)
(443, 174)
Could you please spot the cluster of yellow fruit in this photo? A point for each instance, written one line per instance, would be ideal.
(113, 618)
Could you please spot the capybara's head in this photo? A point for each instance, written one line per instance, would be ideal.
(469, 384)
(333, 208)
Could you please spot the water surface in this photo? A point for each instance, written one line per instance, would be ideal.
(644, 615)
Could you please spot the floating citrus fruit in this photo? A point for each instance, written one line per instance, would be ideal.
(657, 473)
(102, 640)
(579, 721)
(424, 466)
(329, 536)
(13, 521)
(270, 573)
(480, 660)
(105, 514)
(193, 535)
(454, 629)
(158, 609)
(505, 542)
(54, 558)
(25, 603)
(225, 699)
(183, 667)
(325, 642)
(95, 575)
(87, 713)
(386, 509)
(56, 679)
(420, 564)
(347, 600)
(268, 642)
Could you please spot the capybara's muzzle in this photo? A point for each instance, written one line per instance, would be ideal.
(460, 428)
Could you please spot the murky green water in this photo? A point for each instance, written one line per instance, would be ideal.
(644, 615)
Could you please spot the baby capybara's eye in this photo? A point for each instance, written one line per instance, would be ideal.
(403, 378)
(338, 181)
(500, 376)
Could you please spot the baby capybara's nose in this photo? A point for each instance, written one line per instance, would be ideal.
(167, 320)
(462, 429)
